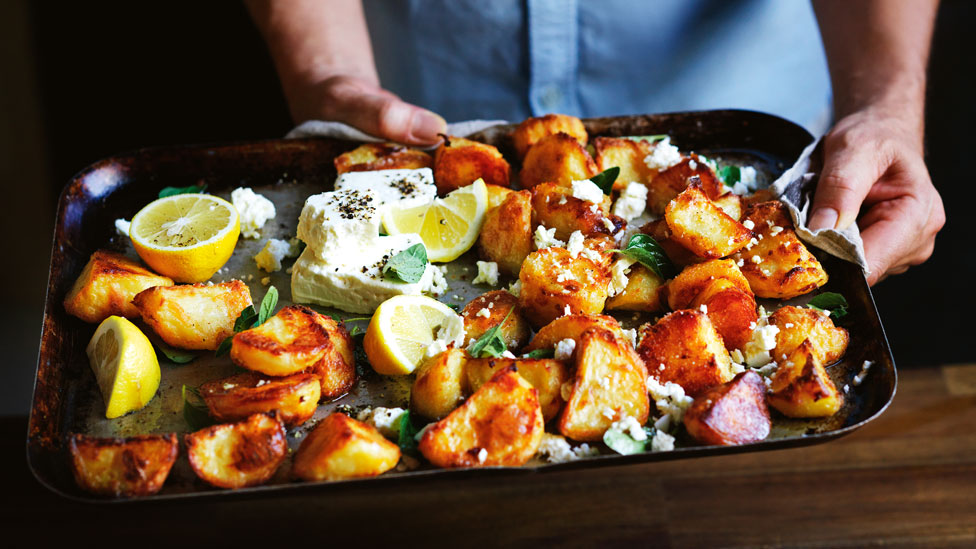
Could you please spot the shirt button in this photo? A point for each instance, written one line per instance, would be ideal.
(551, 97)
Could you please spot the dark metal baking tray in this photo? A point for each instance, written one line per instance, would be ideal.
(66, 399)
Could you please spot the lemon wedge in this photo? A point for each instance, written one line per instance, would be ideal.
(186, 237)
(448, 226)
(125, 366)
(403, 329)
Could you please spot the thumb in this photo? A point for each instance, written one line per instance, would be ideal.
(847, 176)
(380, 113)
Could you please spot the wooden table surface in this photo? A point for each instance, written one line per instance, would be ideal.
(907, 479)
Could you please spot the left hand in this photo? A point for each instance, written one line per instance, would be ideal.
(873, 164)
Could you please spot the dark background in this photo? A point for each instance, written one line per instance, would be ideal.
(80, 81)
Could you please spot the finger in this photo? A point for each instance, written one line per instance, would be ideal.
(889, 241)
(847, 176)
(384, 115)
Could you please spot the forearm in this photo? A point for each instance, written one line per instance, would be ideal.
(877, 51)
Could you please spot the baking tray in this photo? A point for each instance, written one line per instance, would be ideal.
(66, 399)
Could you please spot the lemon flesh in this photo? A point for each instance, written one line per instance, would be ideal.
(187, 237)
(448, 226)
(124, 364)
(402, 329)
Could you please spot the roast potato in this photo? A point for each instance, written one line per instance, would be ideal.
(336, 369)
(295, 397)
(797, 324)
(459, 162)
(554, 206)
(506, 235)
(610, 384)
(666, 185)
(557, 158)
(291, 341)
(554, 284)
(107, 285)
(731, 204)
(546, 375)
(340, 447)
(531, 130)
(193, 316)
(719, 287)
(698, 224)
(235, 455)
(381, 156)
(678, 254)
(440, 385)
(122, 467)
(497, 194)
(684, 348)
(777, 264)
(626, 154)
(645, 291)
(732, 413)
(500, 424)
(801, 387)
(571, 327)
(488, 310)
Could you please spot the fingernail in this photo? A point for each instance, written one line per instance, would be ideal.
(823, 218)
(426, 125)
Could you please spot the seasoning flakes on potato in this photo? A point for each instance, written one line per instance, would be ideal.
(342, 448)
(732, 413)
(107, 285)
(381, 156)
(684, 348)
(294, 397)
(193, 316)
(122, 467)
(236, 455)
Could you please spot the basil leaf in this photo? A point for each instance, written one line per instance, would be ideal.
(624, 444)
(730, 175)
(490, 344)
(644, 249)
(195, 413)
(224, 346)
(408, 265)
(648, 138)
(173, 191)
(177, 356)
(246, 319)
(832, 302)
(605, 179)
(455, 306)
(268, 304)
(540, 353)
(407, 436)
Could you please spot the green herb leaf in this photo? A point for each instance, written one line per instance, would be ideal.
(540, 353)
(224, 346)
(408, 265)
(624, 444)
(730, 175)
(246, 319)
(831, 302)
(407, 436)
(455, 306)
(644, 249)
(649, 138)
(195, 412)
(192, 189)
(491, 344)
(177, 356)
(268, 304)
(605, 179)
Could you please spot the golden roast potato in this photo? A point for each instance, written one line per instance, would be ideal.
(122, 467)
(193, 316)
(531, 130)
(546, 375)
(719, 287)
(107, 285)
(440, 385)
(667, 184)
(626, 154)
(801, 387)
(571, 327)
(381, 156)
(798, 324)
(555, 284)
(489, 310)
(291, 341)
(555, 207)
(506, 235)
(699, 225)
(732, 413)
(340, 448)
(459, 162)
(294, 397)
(235, 455)
(645, 291)
(684, 348)
(556, 158)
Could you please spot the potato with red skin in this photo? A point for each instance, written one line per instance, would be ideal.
(667, 184)
(234, 398)
(122, 467)
(458, 162)
(699, 225)
(341, 448)
(236, 455)
(554, 284)
(798, 324)
(501, 305)
(732, 413)
(801, 387)
(555, 207)
(381, 156)
(107, 285)
(557, 158)
(500, 424)
(506, 235)
(533, 129)
(684, 348)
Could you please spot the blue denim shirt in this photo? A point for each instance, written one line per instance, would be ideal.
(514, 58)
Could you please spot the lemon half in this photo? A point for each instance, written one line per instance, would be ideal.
(186, 237)
(125, 366)
(401, 330)
(448, 226)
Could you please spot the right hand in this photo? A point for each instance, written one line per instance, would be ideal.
(368, 107)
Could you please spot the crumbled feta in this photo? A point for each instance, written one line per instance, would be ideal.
(567, 310)
(609, 412)
(763, 340)
(592, 255)
(609, 224)
(703, 308)
(670, 398)
(749, 224)
(631, 202)
(692, 164)
(556, 449)
(618, 275)
(270, 256)
(631, 336)
(254, 210)
(266, 280)
(544, 238)
(487, 273)
(483, 312)
(663, 156)
(736, 356)
(508, 354)
(437, 285)
(630, 426)
(756, 259)
(515, 288)
(385, 420)
(564, 349)
(482, 455)
(588, 191)
(575, 244)
(859, 378)
(775, 230)
(662, 442)
(451, 333)
(435, 348)
(747, 175)
(261, 382)
(122, 227)
(228, 386)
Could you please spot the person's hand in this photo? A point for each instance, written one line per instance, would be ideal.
(366, 106)
(873, 164)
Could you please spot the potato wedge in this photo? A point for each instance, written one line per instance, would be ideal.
(291, 341)
(381, 156)
(336, 369)
(699, 225)
(488, 310)
(678, 254)
(610, 384)
(459, 162)
(500, 424)
(732, 413)
(235, 455)
(122, 467)
(440, 385)
(554, 206)
(497, 194)
(557, 158)
(234, 398)
(626, 154)
(107, 285)
(506, 235)
(645, 291)
(340, 447)
(555, 284)
(571, 327)
(719, 287)
(798, 324)
(531, 130)
(546, 375)
(777, 264)
(801, 387)
(731, 204)
(666, 185)
(193, 316)
(684, 348)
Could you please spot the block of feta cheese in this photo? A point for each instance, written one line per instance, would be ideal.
(405, 188)
(354, 281)
(335, 223)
